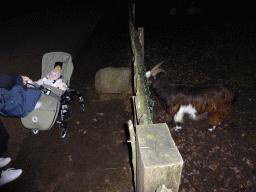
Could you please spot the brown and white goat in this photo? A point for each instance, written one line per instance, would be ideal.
(198, 101)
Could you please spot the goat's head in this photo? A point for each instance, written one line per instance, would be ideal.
(156, 70)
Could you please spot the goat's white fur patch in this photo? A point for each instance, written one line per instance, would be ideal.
(185, 109)
(148, 74)
(191, 111)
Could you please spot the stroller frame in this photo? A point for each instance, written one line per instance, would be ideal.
(62, 102)
(66, 112)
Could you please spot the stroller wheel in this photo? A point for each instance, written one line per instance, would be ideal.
(63, 132)
(34, 131)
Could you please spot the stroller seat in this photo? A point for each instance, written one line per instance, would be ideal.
(53, 99)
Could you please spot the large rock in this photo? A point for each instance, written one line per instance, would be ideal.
(113, 80)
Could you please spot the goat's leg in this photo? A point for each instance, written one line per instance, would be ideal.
(178, 119)
(178, 127)
(214, 119)
(211, 128)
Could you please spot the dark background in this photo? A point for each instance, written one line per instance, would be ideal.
(95, 155)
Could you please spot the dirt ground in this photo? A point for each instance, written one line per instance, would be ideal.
(93, 157)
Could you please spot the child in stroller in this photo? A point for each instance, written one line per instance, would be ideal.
(53, 79)
(56, 102)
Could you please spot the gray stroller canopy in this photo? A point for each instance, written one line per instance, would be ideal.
(52, 59)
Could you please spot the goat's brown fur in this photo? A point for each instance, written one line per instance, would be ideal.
(211, 99)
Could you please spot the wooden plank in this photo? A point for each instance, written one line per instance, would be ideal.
(133, 146)
(158, 159)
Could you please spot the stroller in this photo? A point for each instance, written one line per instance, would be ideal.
(57, 105)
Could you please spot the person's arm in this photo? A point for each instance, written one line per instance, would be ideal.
(61, 85)
(41, 81)
(8, 81)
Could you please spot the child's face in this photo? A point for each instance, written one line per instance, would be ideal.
(53, 75)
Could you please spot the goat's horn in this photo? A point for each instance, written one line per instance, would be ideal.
(157, 70)
(158, 65)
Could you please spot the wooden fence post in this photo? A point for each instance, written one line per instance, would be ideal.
(157, 163)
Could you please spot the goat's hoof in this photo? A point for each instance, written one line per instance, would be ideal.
(212, 128)
(178, 128)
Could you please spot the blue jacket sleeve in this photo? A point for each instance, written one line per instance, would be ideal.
(8, 81)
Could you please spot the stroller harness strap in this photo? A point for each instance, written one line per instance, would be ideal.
(48, 92)
(45, 90)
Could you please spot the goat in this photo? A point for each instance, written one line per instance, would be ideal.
(199, 101)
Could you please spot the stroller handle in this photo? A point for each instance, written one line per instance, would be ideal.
(33, 84)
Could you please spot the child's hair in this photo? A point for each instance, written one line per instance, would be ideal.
(57, 71)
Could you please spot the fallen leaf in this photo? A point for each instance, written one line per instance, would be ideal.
(249, 163)
(249, 183)
(218, 176)
(215, 148)
(214, 166)
(186, 181)
(235, 169)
